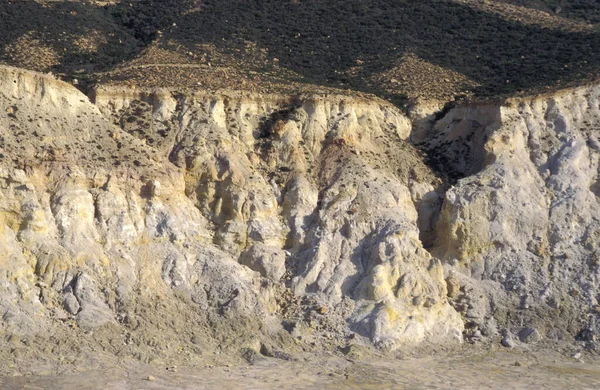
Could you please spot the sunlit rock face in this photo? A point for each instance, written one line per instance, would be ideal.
(211, 219)
(320, 190)
(213, 203)
(524, 220)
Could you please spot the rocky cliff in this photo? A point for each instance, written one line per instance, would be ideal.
(523, 219)
(166, 225)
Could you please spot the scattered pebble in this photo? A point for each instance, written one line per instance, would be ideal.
(507, 342)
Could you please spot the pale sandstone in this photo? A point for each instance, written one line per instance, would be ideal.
(236, 207)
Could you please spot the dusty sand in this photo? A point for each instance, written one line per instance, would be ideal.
(501, 369)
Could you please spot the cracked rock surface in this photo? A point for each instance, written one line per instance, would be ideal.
(170, 226)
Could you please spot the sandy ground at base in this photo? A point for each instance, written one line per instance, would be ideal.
(482, 370)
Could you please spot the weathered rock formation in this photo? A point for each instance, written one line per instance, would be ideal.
(523, 221)
(225, 219)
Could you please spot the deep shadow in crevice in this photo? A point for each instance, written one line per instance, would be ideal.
(269, 125)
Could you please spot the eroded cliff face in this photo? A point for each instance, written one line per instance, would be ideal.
(163, 225)
(209, 220)
(523, 221)
(319, 190)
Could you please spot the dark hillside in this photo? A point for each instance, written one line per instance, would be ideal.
(398, 49)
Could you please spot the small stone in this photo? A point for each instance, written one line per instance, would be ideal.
(529, 335)
(453, 286)
(518, 364)
(150, 378)
(153, 188)
(577, 356)
(507, 341)
(71, 304)
(250, 355)
(11, 110)
(574, 292)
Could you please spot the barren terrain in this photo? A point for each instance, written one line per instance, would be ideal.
(299, 194)
(470, 370)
